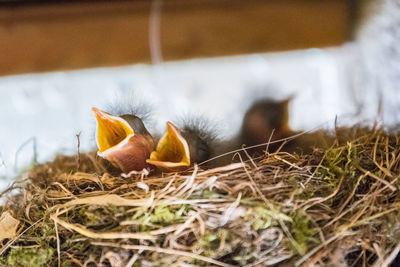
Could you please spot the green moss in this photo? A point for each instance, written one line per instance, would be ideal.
(162, 215)
(167, 215)
(215, 244)
(302, 232)
(30, 256)
(340, 163)
(46, 231)
(262, 218)
(96, 215)
(66, 264)
(70, 244)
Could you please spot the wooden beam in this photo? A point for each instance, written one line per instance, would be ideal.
(45, 37)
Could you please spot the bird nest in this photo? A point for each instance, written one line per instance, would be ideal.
(339, 205)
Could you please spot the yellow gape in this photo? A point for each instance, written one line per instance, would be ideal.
(119, 144)
(111, 130)
(172, 152)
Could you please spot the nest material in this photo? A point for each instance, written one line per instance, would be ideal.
(336, 206)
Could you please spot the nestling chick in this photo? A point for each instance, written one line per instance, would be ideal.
(180, 148)
(267, 120)
(264, 121)
(123, 140)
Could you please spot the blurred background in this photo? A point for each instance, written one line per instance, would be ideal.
(333, 58)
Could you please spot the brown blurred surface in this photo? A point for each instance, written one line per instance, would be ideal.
(46, 37)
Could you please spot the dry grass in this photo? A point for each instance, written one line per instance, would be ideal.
(338, 206)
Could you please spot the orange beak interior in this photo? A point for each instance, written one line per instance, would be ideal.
(111, 130)
(172, 151)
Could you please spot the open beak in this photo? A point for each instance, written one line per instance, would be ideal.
(172, 152)
(118, 143)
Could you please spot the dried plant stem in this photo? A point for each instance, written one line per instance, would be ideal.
(163, 250)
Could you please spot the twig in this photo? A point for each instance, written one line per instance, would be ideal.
(79, 154)
(391, 256)
(391, 187)
(269, 141)
(259, 145)
(34, 148)
(16, 238)
(316, 249)
(163, 250)
(58, 245)
(105, 235)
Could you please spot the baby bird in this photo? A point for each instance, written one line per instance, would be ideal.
(180, 148)
(266, 120)
(126, 143)
(123, 140)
